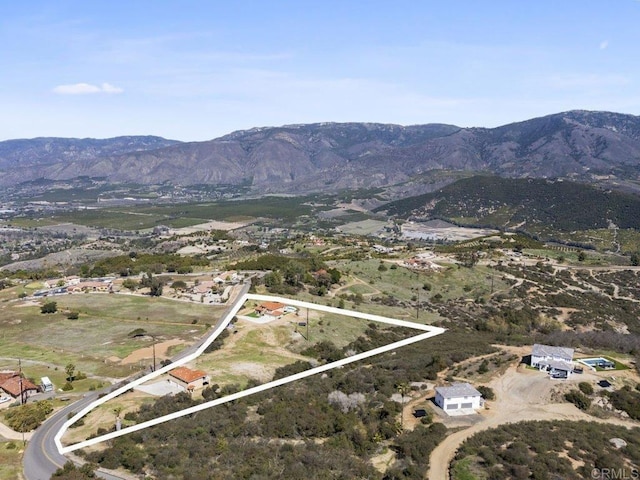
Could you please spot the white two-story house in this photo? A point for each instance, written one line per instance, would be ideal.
(459, 396)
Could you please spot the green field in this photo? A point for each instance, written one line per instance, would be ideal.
(184, 215)
(102, 331)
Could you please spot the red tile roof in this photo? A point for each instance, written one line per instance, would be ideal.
(7, 375)
(12, 386)
(187, 375)
(271, 306)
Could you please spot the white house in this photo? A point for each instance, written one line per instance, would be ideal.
(558, 361)
(458, 396)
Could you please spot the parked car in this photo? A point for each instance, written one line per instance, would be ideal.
(5, 399)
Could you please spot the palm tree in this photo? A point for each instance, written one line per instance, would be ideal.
(404, 389)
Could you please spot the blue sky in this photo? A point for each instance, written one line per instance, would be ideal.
(195, 70)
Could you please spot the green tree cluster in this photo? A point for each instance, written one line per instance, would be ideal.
(29, 416)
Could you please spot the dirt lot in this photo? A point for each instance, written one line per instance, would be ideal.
(521, 394)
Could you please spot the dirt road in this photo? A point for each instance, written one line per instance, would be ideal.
(521, 394)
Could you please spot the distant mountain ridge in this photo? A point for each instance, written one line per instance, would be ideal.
(578, 145)
(29, 159)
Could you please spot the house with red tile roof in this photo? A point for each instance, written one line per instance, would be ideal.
(13, 384)
(189, 379)
(275, 309)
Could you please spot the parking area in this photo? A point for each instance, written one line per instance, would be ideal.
(160, 389)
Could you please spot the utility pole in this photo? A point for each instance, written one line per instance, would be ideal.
(20, 381)
(307, 324)
(154, 353)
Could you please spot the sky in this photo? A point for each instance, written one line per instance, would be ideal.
(195, 70)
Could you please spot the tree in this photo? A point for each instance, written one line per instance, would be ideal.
(635, 259)
(153, 283)
(49, 307)
(582, 256)
(178, 285)
(70, 370)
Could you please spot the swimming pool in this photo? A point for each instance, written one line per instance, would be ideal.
(599, 362)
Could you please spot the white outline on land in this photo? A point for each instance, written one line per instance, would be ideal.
(429, 332)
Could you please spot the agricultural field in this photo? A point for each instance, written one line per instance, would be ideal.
(188, 214)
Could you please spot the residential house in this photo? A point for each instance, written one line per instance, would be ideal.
(274, 309)
(458, 397)
(189, 379)
(558, 361)
(89, 286)
(13, 384)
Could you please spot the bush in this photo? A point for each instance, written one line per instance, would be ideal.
(73, 315)
(49, 307)
(578, 399)
(486, 392)
(586, 388)
(67, 386)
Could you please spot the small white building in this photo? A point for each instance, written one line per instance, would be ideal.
(459, 396)
(558, 361)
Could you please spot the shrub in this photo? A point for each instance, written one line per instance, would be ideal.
(484, 366)
(586, 388)
(578, 399)
(486, 392)
(49, 307)
(73, 315)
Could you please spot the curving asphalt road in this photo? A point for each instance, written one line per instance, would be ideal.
(41, 457)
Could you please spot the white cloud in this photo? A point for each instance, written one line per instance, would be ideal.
(86, 89)
(604, 44)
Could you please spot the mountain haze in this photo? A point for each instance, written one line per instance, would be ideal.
(579, 145)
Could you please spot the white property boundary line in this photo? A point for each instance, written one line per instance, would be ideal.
(429, 332)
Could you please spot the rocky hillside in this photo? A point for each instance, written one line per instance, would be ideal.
(30, 159)
(587, 146)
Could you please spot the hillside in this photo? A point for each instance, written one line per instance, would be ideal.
(598, 147)
(30, 159)
(530, 204)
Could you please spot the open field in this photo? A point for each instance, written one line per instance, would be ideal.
(11, 460)
(254, 351)
(260, 340)
(102, 332)
(364, 227)
(104, 416)
(404, 284)
(186, 215)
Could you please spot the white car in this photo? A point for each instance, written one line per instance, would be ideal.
(5, 399)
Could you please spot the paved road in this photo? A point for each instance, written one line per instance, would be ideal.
(41, 457)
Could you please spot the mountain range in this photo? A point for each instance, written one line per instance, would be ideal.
(595, 147)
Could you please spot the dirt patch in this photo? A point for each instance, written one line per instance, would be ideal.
(147, 352)
(252, 370)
